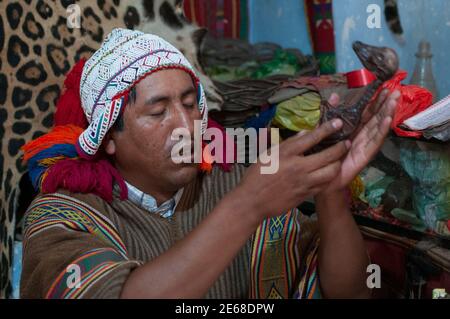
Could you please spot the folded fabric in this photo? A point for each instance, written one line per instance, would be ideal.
(262, 119)
(410, 218)
(285, 94)
(318, 83)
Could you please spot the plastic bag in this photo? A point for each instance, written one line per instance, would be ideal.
(226, 73)
(428, 165)
(374, 193)
(413, 99)
(282, 63)
(299, 113)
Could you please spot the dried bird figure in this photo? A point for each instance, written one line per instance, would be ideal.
(383, 63)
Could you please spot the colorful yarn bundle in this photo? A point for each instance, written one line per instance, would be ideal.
(53, 161)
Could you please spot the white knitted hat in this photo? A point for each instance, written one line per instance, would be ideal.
(124, 58)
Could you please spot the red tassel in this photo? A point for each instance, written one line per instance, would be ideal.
(68, 108)
(206, 164)
(227, 140)
(80, 176)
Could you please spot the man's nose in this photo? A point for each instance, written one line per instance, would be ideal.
(184, 119)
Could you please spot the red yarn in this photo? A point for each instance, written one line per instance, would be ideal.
(81, 176)
(206, 164)
(68, 108)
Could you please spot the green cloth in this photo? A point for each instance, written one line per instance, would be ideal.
(428, 165)
(282, 63)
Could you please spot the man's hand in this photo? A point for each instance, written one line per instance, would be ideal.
(298, 176)
(342, 257)
(368, 139)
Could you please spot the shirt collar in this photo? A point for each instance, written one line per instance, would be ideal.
(148, 202)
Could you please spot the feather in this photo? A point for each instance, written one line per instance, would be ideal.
(392, 16)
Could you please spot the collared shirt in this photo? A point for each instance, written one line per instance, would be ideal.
(149, 203)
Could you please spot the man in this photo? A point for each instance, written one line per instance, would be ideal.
(117, 218)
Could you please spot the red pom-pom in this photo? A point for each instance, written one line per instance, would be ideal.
(68, 108)
(206, 164)
(81, 176)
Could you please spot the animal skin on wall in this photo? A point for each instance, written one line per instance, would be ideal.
(393, 17)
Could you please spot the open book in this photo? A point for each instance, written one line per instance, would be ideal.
(433, 122)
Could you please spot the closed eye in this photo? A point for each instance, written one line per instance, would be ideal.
(158, 112)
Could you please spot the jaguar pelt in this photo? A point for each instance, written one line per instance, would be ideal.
(37, 48)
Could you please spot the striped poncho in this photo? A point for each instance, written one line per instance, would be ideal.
(105, 241)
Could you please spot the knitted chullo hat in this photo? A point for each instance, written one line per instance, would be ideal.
(70, 155)
(125, 57)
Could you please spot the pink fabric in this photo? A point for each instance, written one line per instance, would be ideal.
(227, 141)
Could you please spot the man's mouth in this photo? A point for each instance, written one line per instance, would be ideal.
(189, 157)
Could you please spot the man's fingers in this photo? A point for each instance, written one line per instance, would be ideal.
(374, 108)
(391, 104)
(327, 156)
(318, 189)
(376, 140)
(388, 110)
(301, 143)
(334, 99)
(395, 95)
(325, 174)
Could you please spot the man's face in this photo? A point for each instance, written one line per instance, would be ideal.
(165, 100)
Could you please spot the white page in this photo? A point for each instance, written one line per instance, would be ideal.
(435, 115)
